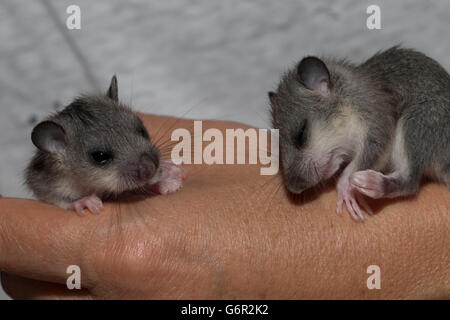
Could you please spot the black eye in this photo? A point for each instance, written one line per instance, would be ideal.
(300, 136)
(101, 157)
(143, 132)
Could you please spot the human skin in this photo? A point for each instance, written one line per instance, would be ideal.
(228, 233)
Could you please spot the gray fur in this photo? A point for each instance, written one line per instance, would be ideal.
(394, 87)
(93, 123)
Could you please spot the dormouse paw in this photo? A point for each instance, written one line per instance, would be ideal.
(171, 178)
(369, 182)
(93, 203)
(349, 195)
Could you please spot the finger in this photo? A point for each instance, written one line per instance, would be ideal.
(28, 289)
(161, 127)
(39, 241)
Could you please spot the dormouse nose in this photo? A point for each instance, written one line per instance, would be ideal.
(295, 183)
(147, 165)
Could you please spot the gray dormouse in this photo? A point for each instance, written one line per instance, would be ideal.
(96, 149)
(385, 123)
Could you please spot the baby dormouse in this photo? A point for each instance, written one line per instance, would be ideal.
(385, 122)
(96, 149)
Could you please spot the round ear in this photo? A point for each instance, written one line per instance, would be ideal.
(113, 91)
(49, 136)
(314, 75)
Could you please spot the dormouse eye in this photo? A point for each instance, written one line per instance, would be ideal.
(101, 158)
(300, 136)
(143, 132)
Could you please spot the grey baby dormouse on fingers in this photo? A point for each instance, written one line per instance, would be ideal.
(96, 149)
(385, 123)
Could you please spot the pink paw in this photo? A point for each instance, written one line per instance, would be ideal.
(171, 178)
(369, 182)
(93, 203)
(348, 194)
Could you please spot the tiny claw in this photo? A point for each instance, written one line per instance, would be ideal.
(349, 194)
(339, 206)
(357, 209)
(351, 211)
(364, 203)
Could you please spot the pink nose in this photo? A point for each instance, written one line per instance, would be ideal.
(148, 163)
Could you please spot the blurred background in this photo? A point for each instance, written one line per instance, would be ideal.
(197, 59)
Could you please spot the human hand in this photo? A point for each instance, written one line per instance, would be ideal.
(229, 233)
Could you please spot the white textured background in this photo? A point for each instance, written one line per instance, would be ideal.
(201, 59)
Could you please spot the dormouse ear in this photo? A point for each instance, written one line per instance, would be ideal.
(49, 136)
(272, 95)
(314, 75)
(113, 91)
